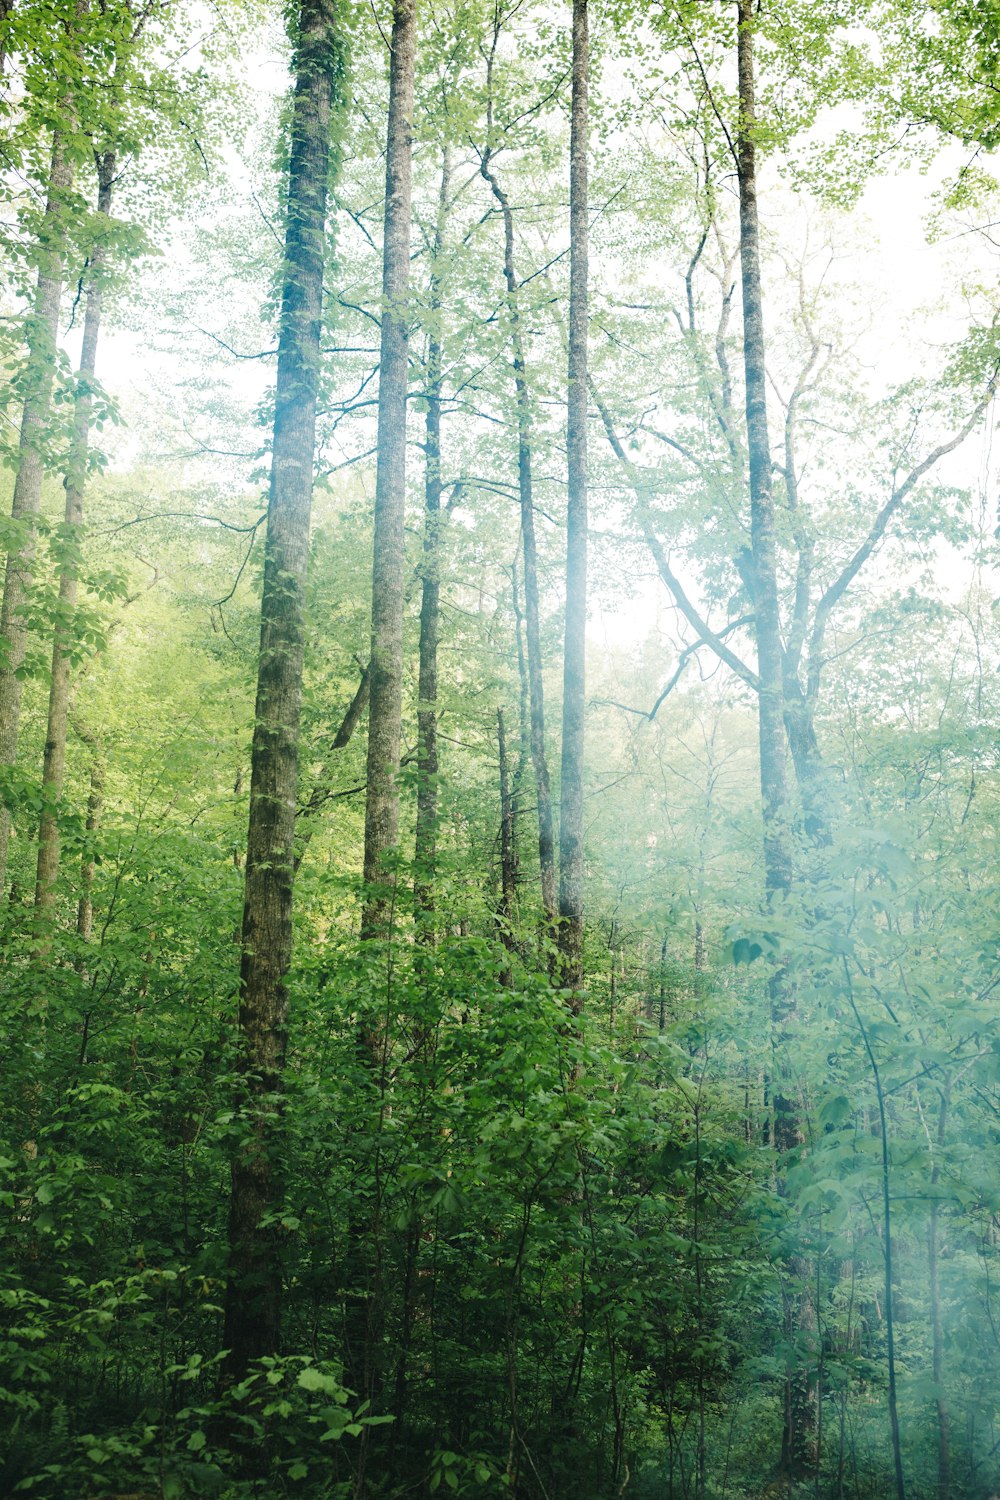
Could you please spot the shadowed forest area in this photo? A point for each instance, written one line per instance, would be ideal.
(499, 774)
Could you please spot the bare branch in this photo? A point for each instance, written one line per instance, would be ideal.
(900, 493)
(704, 631)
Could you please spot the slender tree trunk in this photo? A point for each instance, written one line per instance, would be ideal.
(574, 657)
(663, 986)
(364, 1272)
(533, 642)
(43, 328)
(817, 792)
(253, 1289)
(798, 1455)
(777, 859)
(937, 1325)
(523, 711)
(508, 849)
(95, 805)
(76, 472)
(322, 791)
(427, 683)
(386, 662)
(882, 1131)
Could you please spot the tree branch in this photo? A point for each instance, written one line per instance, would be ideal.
(842, 583)
(704, 631)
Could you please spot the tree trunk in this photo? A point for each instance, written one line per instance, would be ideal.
(95, 805)
(533, 644)
(798, 1455)
(322, 791)
(817, 793)
(43, 328)
(253, 1289)
(777, 860)
(937, 1325)
(523, 711)
(386, 663)
(76, 473)
(574, 656)
(6, 7)
(508, 850)
(663, 986)
(427, 683)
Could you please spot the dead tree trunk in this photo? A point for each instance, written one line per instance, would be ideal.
(574, 654)
(253, 1288)
(385, 668)
(76, 472)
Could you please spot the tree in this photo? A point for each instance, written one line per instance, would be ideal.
(529, 550)
(574, 656)
(39, 374)
(59, 686)
(253, 1288)
(385, 668)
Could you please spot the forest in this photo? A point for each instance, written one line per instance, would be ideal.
(499, 773)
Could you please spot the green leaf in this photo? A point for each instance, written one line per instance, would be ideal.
(311, 1379)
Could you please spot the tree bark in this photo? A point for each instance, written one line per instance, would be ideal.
(881, 1130)
(777, 859)
(253, 1288)
(6, 9)
(95, 805)
(386, 663)
(937, 1323)
(508, 850)
(574, 655)
(813, 778)
(54, 763)
(798, 1455)
(43, 328)
(425, 852)
(533, 644)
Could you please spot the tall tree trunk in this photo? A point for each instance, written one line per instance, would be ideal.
(817, 792)
(43, 329)
(937, 1324)
(508, 850)
(76, 473)
(881, 1130)
(95, 806)
(363, 1271)
(523, 711)
(386, 663)
(777, 859)
(798, 1454)
(533, 643)
(427, 682)
(662, 1026)
(253, 1288)
(574, 656)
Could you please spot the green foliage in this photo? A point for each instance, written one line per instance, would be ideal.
(522, 1252)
